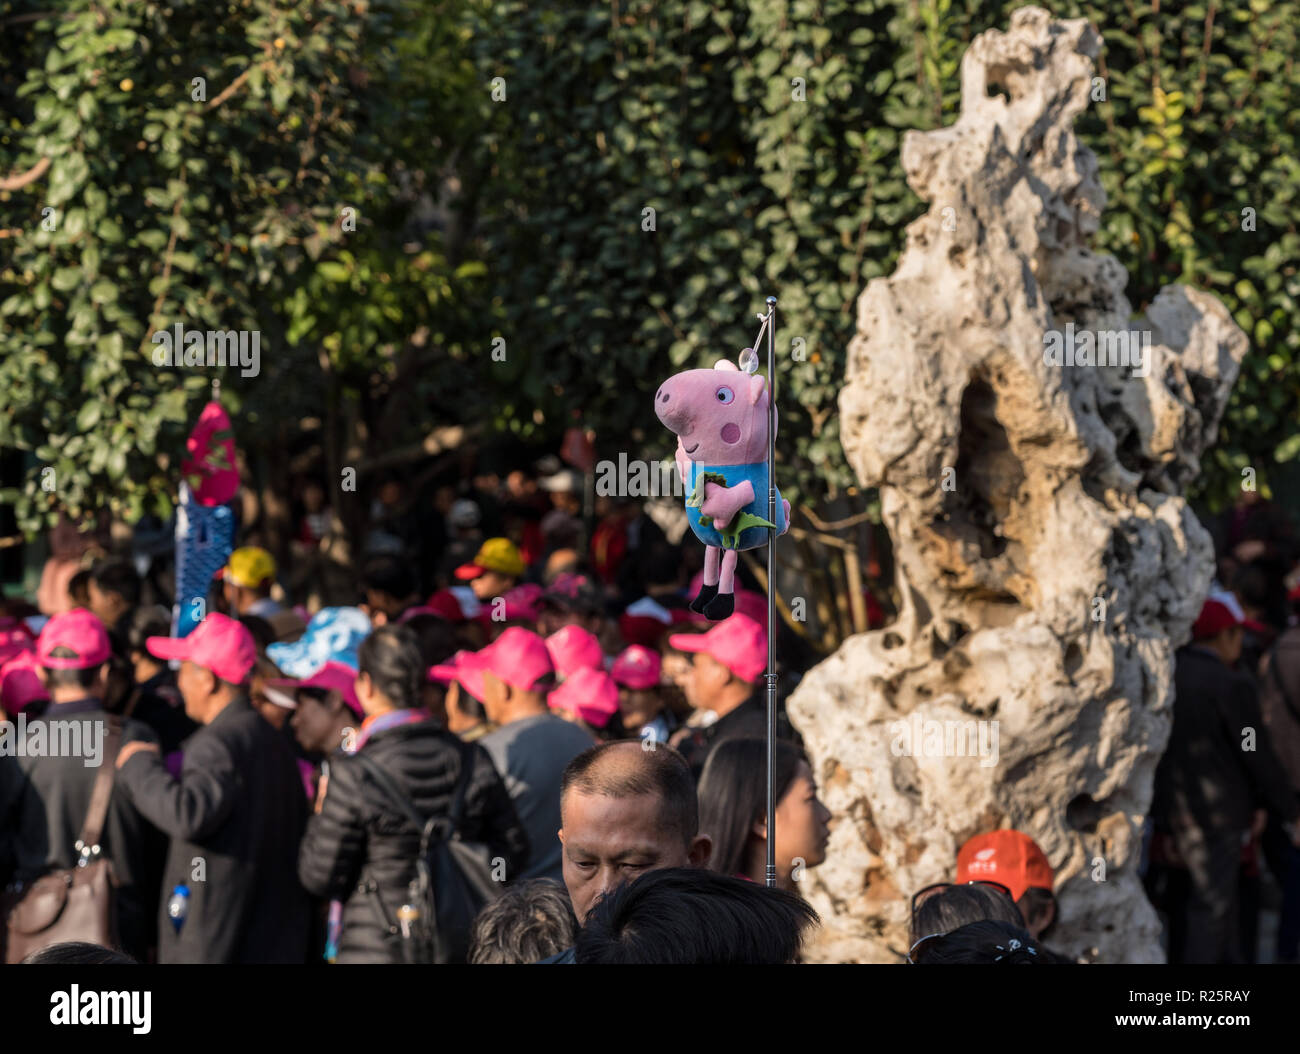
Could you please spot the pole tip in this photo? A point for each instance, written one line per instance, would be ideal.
(771, 300)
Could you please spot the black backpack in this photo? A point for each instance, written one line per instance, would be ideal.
(453, 878)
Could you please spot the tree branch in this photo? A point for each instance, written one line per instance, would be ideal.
(30, 176)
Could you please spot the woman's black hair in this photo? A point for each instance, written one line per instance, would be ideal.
(147, 622)
(688, 915)
(991, 941)
(263, 632)
(733, 794)
(390, 656)
(958, 906)
(78, 953)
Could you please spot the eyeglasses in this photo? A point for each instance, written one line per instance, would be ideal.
(921, 896)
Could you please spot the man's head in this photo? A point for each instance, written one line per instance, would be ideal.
(512, 675)
(565, 489)
(247, 578)
(216, 659)
(114, 590)
(496, 568)
(625, 810)
(73, 653)
(1015, 860)
(571, 599)
(728, 660)
(1219, 627)
(390, 587)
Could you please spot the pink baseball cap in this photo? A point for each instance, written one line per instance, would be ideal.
(636, 667)
(738, 642)
(574, 648)
(20, 684)
(519, 603)
(591, 694)
(78, 630)
(15, 638)
(518, 657)
(335, 676)
(471, 679)
(218, 643)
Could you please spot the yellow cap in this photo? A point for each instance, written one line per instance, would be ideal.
(496, 554)
(250, 567)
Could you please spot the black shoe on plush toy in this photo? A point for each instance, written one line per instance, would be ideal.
(702, 598)
(720, 418)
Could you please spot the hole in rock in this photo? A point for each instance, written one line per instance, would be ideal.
(1073, 660)
(1083, 813)
(988, 474)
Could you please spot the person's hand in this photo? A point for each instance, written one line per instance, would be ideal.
(130, 749)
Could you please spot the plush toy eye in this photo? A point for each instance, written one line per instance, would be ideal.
(725, 395)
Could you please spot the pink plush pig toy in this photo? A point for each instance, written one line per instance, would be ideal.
(720, 418)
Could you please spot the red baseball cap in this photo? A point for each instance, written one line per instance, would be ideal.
(218, 643)
(335, 676)
(455, 670)
(1214, 618)
(78, 630)
(574, 648)
(1008, 857)
(518, 657)
(645, 622)
(636, 667)
(591, 694)
(447, 604)
(738, 642)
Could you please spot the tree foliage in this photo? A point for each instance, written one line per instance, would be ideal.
(765, 138)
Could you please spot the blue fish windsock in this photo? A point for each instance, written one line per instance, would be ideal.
(205, 537)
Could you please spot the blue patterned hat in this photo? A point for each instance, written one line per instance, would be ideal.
(333, 635)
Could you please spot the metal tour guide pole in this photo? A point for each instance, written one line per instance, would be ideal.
(770, 325)
(748, 362)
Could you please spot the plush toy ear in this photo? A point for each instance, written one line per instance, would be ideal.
(723, 364)
(757, 385)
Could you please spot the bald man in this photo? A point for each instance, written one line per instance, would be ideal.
(625, 810)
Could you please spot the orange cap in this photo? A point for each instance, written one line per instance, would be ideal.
(1009, 857)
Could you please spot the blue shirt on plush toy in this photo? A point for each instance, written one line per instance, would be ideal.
(749, 527)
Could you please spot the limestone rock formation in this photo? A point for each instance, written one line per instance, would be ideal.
(1030, 448)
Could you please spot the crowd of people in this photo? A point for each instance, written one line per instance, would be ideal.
(538, 729)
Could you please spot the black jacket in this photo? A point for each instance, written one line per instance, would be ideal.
(359, 837)
(1206, 778)
(748, 720)
(47, 808)
(235, 817)
(159, 705)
